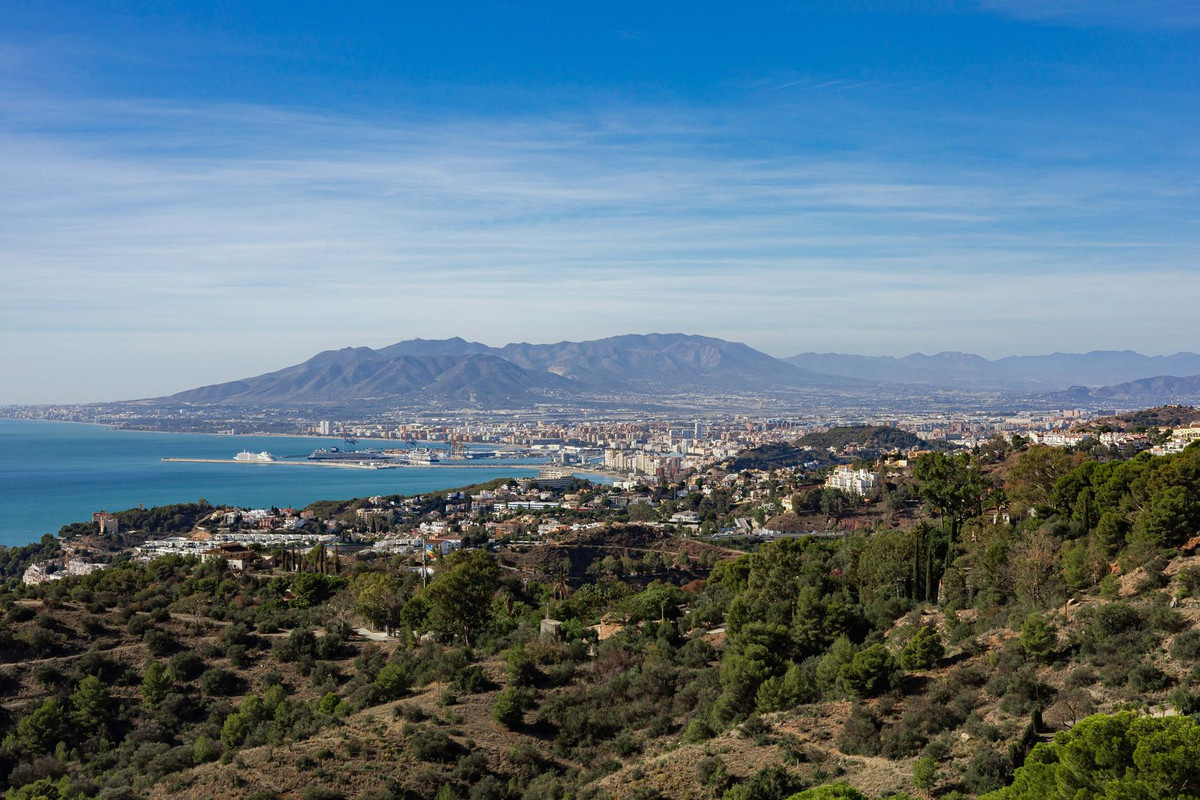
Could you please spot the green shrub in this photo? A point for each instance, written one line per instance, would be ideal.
(1189, 581)
(771, 783)
(410, 712)
(832, 791)
(205, 749)
(219, 682)
(1039, 639)
(392, 681)
(160, 643)
(187, 665)
(923, 650)
(472, 680)
(519, 667)
(509, 708)
(925, 773)
(713, 774)
(1184, 701)
(430, 744)
(986, 771)
(873, 671)
(860, 733)
(698, 730)
(1080, 677)
(1186, 647)
(1148, 678)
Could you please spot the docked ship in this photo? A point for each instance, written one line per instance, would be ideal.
(254, 458)
(423, 456)
(414, 456)
(350, 456)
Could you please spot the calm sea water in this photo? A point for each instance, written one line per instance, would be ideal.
(52, 473)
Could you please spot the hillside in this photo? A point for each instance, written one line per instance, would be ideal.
(772, 456)
(966, 711)
(1172, 416)
(869, 437)
(1159, 389)
(940, 657)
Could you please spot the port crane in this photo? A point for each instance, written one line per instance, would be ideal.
(347, 439)
(456, 444)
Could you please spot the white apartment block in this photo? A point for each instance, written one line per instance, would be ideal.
(853, 481)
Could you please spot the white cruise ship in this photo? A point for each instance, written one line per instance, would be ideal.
(256, 458)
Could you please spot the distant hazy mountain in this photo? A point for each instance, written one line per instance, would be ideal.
(1159, 389)
(471, 374)
(1100, 367)
(1050, 372)
(940, 369)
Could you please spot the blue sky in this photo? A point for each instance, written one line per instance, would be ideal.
(199, 192)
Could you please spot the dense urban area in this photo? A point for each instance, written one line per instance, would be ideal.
(997, 606)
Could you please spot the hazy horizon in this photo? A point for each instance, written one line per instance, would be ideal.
(198, 195)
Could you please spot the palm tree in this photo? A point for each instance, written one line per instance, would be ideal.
(561, 589)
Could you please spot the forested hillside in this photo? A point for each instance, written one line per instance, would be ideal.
(960, 656)
(871, 437)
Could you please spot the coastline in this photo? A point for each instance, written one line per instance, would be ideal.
(250, 434)
(56, 474)
(355, 465)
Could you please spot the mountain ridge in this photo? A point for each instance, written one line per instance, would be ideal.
(473, 374)
(465, 373)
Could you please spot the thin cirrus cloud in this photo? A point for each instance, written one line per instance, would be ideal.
(156, 238)
(1141, 14)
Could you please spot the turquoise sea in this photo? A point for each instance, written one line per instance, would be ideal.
(53, 473)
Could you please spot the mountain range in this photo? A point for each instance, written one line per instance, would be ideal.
(459, 373)
(1049, 372)
(469, 374)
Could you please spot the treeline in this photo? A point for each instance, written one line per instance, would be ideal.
(15, 560)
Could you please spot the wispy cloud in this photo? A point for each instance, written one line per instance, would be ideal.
(1143, 14)
(210, 225)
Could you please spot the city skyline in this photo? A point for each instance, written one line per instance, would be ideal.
(197, 196)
